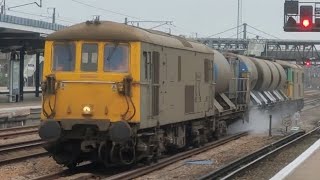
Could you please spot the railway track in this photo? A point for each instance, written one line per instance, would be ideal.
(137, 172)
(20, 151)
(312, 101)
(18, 131)
(165, 162)
(243, 164)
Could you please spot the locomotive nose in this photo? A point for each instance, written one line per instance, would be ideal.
(50, 130)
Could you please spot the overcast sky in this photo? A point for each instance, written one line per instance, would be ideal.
(205, 17)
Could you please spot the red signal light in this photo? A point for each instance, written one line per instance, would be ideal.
(308, 62)
(306, 18)
(306, 23)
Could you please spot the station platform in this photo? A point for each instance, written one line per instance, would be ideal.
(11, 110)
(305, 167)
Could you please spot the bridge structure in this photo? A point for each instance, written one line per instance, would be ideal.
(289, 50)
(20, 36)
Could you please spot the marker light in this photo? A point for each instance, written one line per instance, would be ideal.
(306, 22)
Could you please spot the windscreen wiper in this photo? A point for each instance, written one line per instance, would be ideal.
(112, 52)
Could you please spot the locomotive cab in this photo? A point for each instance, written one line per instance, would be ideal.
(89, 81)
(90, 94)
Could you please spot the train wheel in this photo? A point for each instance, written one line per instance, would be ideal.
(71, 165)
(67, 153)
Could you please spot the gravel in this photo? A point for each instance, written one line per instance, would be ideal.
(239, 148)
(220, 156)
(271, 166)
(29, 169)
(19, 139)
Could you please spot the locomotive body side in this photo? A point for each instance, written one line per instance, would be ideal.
(117, 94)
(177, 85)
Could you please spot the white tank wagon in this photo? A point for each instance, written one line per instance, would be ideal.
(272, 82)
(222, 72)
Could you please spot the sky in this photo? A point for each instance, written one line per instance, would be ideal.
(204, 17)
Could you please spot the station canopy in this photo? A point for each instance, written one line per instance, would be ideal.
(17, 33)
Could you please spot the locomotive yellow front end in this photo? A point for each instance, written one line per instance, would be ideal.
(91, 95)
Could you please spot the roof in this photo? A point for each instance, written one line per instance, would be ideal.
(30, 22)
(112, 31)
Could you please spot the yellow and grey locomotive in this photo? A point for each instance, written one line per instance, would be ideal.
(119, 94)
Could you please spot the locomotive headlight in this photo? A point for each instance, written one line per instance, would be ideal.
(87, 110)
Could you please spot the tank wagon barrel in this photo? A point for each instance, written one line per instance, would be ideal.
(222, 72)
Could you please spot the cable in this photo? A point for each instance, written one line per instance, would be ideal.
(134, 109)
(263, 32)
(256, 35)
(128, 107)
(234, 35)
(27, 13)
(106, 10)
(159, 25)
(39, 15)
(224, 31)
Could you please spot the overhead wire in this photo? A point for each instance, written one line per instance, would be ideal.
(28, 13)
(42, 16)
(256, 35)
(106, 10)
(224, 31)
(234, 35)
(263, 32)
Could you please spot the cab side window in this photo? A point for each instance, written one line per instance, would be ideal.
(89, 58)
(116, 58)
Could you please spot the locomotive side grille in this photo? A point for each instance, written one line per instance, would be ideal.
(189, 99)
(155, 82)
(155, 101)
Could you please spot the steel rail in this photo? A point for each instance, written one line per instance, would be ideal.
(165, 162)
(7, 154)
(18, 128)
(240, 165)
(13, 134)
(5, 148)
